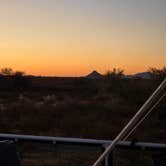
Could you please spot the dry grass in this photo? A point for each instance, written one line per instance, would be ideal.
(81, 109)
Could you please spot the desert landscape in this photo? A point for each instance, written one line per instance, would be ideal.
(80, 107)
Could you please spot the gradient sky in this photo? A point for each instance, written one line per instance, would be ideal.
(74, 37)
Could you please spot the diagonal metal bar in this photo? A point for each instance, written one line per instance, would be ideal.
(153, 99)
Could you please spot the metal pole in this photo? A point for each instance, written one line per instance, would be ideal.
(78, 141)
(133, 122)
(108, 161)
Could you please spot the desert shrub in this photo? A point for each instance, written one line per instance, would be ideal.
(157, 73)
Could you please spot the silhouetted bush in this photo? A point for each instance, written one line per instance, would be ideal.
(157, 73)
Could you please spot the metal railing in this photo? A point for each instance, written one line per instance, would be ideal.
(90, 142)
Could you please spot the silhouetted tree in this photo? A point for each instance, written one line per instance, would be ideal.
(112, 80)
(19, 74)
(20, 80)
(6, 71)
(158, 73)
(115, 73)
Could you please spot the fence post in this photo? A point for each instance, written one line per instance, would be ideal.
(108, 159)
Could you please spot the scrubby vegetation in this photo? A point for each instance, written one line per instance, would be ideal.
(79, 107)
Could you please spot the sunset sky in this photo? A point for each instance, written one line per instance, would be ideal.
(74, 37)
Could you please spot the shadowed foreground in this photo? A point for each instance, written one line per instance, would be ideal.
(79, 108)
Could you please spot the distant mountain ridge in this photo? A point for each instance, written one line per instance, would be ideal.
(96, 75)
(143, 75)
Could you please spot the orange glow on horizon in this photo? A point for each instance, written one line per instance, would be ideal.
(72, 39)
(70, 63)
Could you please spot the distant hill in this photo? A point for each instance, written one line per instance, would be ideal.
(94, 75)
(143, 75)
